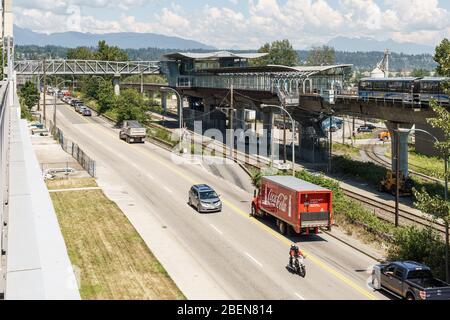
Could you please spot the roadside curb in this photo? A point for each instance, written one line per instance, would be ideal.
(353, 247)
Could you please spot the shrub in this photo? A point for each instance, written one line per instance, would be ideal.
(366, 171)
(421, 245)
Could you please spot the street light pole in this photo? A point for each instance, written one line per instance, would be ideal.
(293, 132)
(180, 109)
(54, 100)
(397, 176)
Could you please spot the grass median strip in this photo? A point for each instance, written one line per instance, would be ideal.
(60, 184)
(112, 259)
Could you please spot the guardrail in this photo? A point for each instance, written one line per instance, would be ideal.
(4, 180)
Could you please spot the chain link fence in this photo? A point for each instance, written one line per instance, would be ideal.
(86, 162)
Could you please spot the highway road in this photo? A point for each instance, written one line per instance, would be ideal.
(232, 255)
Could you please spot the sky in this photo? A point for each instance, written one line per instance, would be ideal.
(245, 24)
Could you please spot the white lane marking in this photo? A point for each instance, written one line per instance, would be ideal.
(299, 296)
(168, 190)
(253, 259)
(217, 230)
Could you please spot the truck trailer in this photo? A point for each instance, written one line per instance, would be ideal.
(294, 203)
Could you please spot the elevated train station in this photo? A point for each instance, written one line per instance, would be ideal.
(308, 93)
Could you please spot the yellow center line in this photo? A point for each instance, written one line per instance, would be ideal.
(261, 225)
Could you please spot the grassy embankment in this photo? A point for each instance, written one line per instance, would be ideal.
(113, 260)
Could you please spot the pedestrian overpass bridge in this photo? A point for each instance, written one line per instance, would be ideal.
(84, 67)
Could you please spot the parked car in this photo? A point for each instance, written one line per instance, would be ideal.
(204, 199)
(68, 100)
(364, 129)
(86, 112)
(75, 101)
(79, 108)
(409, 280)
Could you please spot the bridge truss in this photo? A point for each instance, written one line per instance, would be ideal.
(85, 67)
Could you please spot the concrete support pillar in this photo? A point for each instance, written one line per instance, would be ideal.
(404, 152)
(116, 84)
(268, 125)
(208, 107)
(206, 117)
(240, 119)
(164, 101)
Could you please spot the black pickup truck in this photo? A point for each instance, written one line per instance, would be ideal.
(409, 280)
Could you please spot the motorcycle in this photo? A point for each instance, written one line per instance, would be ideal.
(299, 266)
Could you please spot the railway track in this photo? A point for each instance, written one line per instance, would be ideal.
(372, 154)
(386, 211)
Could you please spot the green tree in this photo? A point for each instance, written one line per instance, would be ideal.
(105, 96)
(110, 53)
(29, 94)
(320, 56)
(130, 105)
(442, 57)
(90, 87)
(436, 205)
(419, 73)
(81, 53)
(279, 53)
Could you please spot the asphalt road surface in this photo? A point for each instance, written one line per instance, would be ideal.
(240, 257)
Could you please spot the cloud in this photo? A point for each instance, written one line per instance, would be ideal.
(304, 22)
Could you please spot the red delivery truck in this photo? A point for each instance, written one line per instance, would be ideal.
(293, 202)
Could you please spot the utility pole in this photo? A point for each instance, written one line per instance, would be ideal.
(447, 271)
(284, 137)
(343, 131)
(397, 174)
(38, 85)
(45, 92)
(231, 125)
(142, 84)
(331, 144)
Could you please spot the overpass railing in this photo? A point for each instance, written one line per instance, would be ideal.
(86, 67)
(292, 83)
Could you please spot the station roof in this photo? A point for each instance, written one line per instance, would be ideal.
(213, 55)
(279, 69)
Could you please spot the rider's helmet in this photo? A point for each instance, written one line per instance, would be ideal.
(294, 247)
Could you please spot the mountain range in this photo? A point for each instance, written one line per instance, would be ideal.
(134, 40)
(369, 44)
(131, 40)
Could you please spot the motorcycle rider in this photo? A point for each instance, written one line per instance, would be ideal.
(294, 253)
